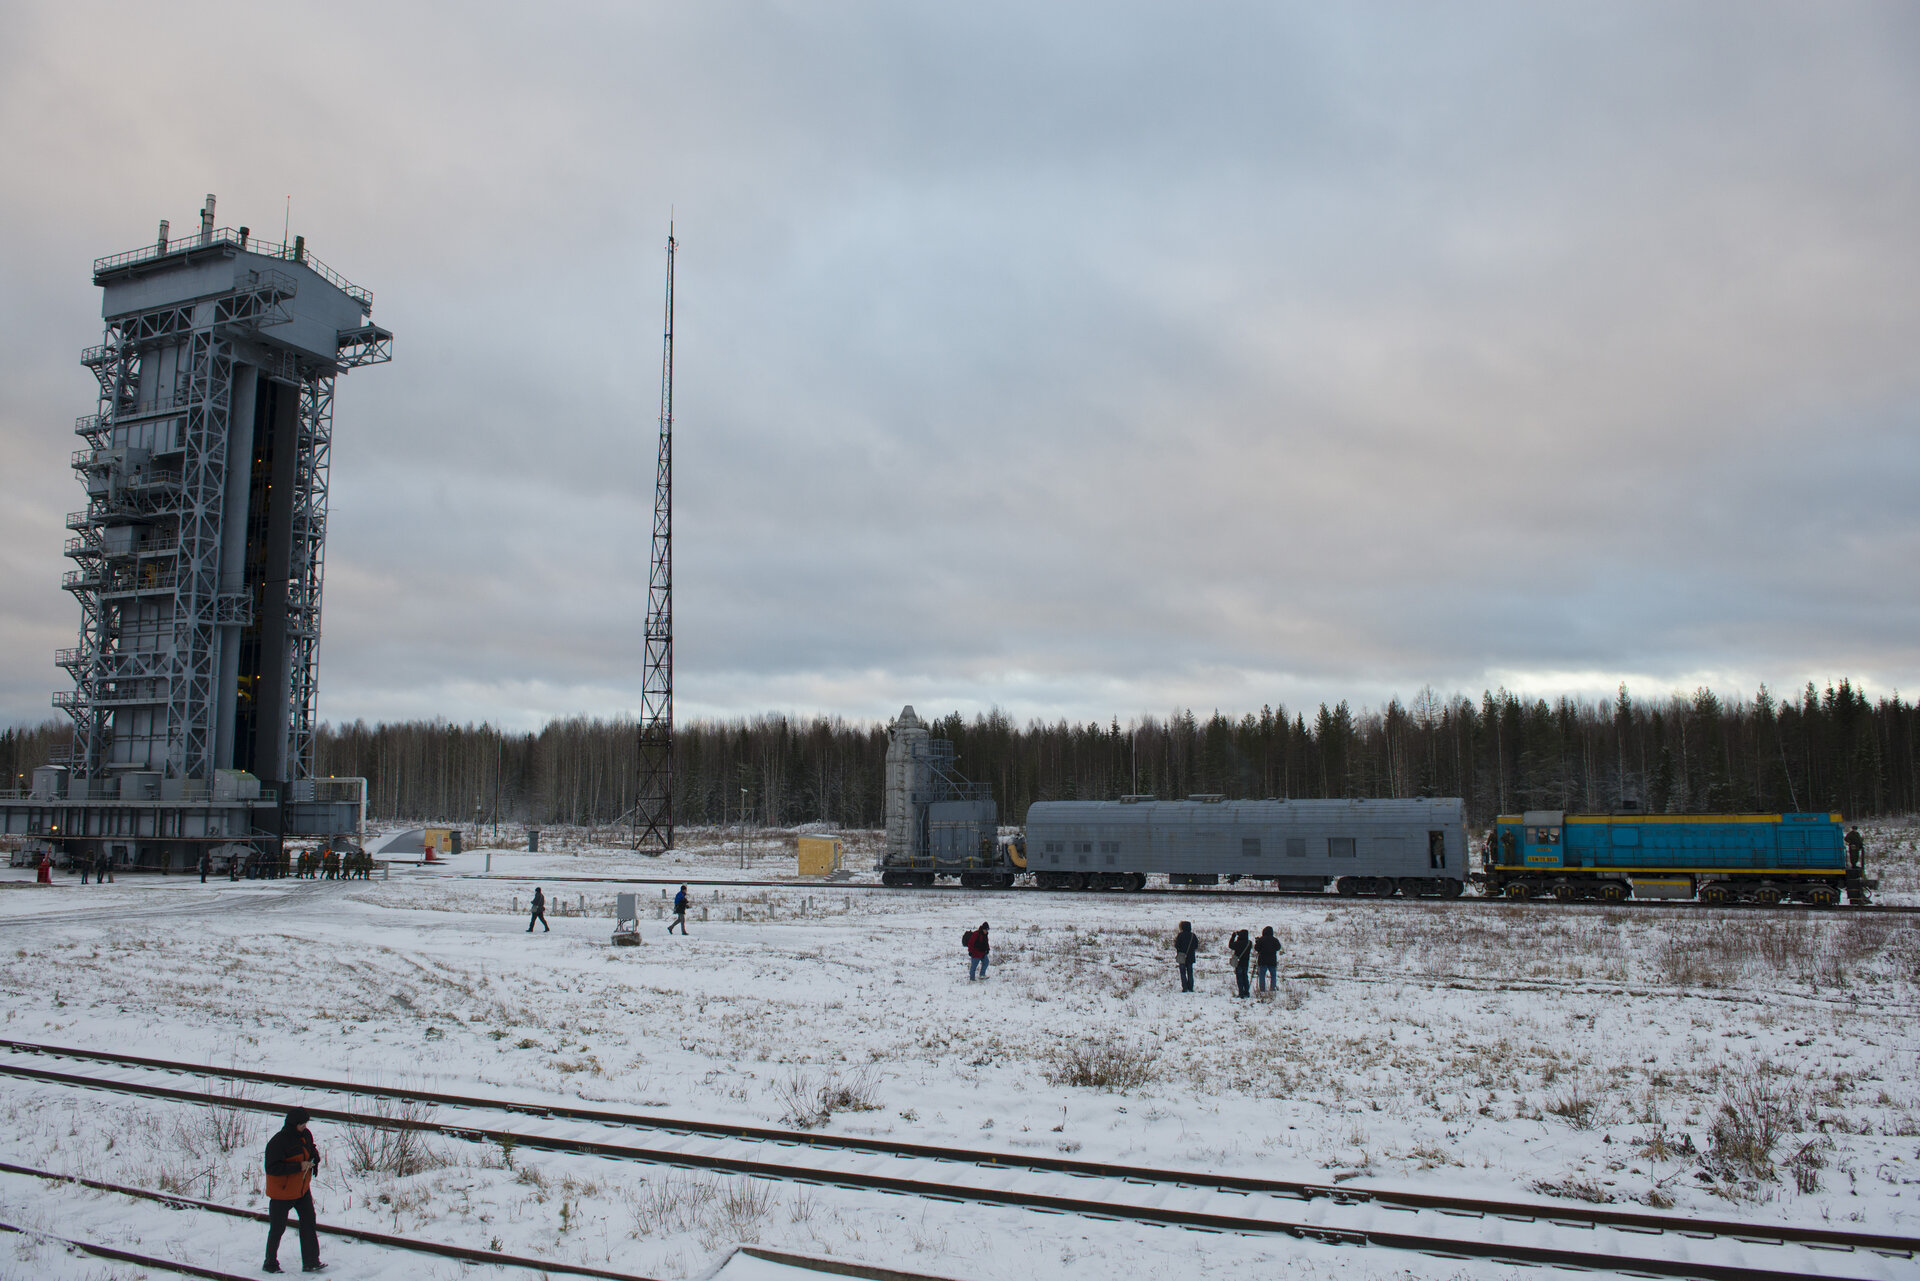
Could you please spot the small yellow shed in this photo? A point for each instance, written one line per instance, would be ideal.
(820, 855)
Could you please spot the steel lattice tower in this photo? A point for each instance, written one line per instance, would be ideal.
(200, 554)
(653, 817)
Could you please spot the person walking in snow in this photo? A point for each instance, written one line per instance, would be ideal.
(46, 869)
(1856, 847)
(977, 946)
(680, 912)
(1266, 951)
(1186, 946)
(292, 1157)
(539, 911)
(85, 863)
(1240, 947)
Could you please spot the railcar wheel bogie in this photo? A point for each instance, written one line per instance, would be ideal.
(1347, 886)
(1519, 890)
(1718, 894)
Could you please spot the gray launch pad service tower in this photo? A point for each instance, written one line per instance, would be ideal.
(198, 558)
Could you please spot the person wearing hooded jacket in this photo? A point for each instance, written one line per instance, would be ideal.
(978, 946)
(292, 1157)
(1240, 947)
(1266, 951)
(1186, 946)
(539, 909)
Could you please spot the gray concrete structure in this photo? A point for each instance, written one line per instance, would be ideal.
(198, 558)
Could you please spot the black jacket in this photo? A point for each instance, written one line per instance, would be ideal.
(287, 1149)
(1267, 948)
(1241, 949)
(1186, 945)
(539, 902)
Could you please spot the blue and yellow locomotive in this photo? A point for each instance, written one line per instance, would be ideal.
(1718, 858)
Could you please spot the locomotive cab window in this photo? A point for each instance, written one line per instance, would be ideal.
(1543, 836)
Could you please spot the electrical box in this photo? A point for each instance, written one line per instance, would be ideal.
(821, 855)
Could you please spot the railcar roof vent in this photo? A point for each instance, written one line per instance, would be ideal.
(1207, 798)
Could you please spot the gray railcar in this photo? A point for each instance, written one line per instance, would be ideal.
(1378, 847)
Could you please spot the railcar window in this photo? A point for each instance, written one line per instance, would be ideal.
(1340, 847)
(1296, 847)
(1109, 847)
(1250, 846)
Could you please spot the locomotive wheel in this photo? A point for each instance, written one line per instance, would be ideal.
(1564, 893)
(1613, 892)
(1347, 886)
(1519, 889)
(1382, 887)
(1717, 894)
(1138, 882)
(1766, 896)
(1452, 889)
(1823, 896)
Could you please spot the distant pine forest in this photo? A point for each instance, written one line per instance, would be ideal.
(1832, 749)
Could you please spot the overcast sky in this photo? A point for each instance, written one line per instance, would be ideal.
(1084, 360)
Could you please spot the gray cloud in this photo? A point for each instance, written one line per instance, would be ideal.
(1093, 361)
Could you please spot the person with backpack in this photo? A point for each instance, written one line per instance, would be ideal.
(539, 910)
(292, 1157)
(1186, 946)
(1266, 950)
(1240, 948)
(977, 945)
(680, 912)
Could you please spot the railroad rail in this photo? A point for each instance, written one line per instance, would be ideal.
(1335, 1213)
(465, 1254)
(1190, 892)
(118, 1255)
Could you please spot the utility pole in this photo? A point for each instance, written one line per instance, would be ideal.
(653, 816)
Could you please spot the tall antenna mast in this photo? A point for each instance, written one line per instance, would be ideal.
(653, 816)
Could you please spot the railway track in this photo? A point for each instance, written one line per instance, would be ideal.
(1583, 1236)
(1189, 893)
(392, 1241)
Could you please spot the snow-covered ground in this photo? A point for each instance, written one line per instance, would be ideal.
(1605, 1054)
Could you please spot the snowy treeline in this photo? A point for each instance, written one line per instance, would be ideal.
(1822, 749)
